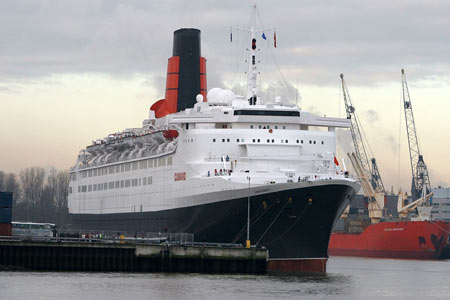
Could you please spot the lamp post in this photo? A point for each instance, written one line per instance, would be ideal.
(247, 242)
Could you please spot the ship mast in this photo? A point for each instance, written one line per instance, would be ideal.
(252, 69)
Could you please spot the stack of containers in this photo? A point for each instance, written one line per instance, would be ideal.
(5, 213)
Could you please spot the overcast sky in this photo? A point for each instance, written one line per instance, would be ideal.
(75, 71)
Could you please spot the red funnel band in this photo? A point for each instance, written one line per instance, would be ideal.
(168, 105)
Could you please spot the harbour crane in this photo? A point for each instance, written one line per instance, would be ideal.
(376, 199)
(420, 186)
(368, 166)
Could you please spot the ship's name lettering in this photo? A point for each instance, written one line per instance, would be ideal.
(180, 176)
(393, 229)
(261, 191)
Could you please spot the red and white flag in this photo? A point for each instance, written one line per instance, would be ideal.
(336, 162)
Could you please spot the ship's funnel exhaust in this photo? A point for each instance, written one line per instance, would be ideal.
(186, 74)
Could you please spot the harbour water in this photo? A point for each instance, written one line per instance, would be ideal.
(347, 278)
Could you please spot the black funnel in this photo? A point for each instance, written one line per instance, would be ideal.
(186, 45)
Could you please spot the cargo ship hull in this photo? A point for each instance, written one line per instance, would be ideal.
(405, 239)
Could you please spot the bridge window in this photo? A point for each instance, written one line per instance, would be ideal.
(253, 112)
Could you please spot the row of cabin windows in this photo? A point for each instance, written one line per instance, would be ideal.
(268, 141)
(114, 185)
(266, 126)
(126, 167)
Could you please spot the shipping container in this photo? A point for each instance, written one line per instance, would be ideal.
(5, 215)
(6, 199)
(5, 229)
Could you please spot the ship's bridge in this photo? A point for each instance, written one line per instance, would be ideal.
(226, 110)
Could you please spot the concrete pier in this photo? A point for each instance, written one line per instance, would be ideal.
(56, 254)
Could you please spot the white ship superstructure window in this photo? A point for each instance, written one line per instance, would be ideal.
(127, 167)
(214, 140)
(135, 166)
(169, 160)
(117, 184)
(134, 182)
(111, 169)
(143, 164)
(90, 188)
(147, 180)
(111, 185)
(127, 183)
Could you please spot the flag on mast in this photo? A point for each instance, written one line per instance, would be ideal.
(264, 36)
(336, 162)
(274, 39)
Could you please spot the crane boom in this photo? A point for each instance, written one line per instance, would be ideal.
(369, 167)
(420, 179)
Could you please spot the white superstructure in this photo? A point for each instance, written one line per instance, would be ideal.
(220, 144)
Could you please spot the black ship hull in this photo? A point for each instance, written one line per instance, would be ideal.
(293, 223)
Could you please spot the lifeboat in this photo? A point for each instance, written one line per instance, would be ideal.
(170, 134)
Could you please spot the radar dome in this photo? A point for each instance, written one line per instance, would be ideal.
(199, 98)
(226, 96)
(213, 94)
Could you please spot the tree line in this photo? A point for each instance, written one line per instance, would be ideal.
(38, 195)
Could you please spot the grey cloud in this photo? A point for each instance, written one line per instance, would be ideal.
(317, 40)
(392, 143)
(371, 116)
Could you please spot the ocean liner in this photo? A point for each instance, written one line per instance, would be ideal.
(203, 160)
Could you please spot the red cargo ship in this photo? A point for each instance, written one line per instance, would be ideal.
(403, 239)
